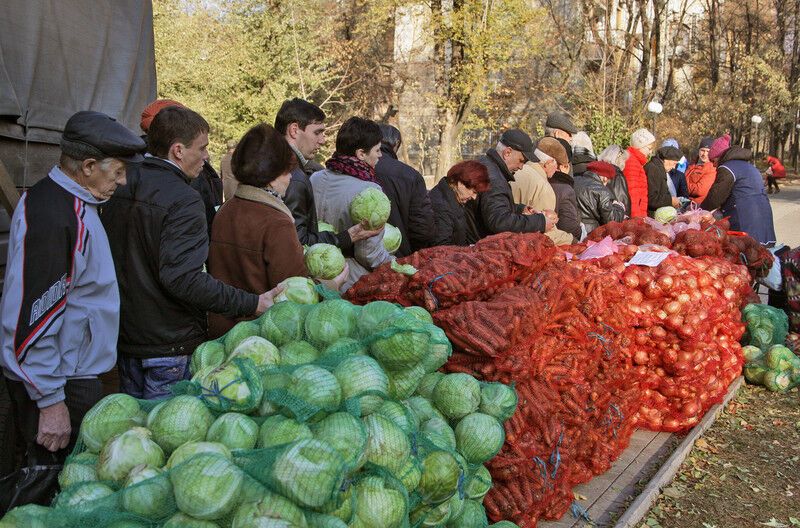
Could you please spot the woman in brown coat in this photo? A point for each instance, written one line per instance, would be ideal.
(254, 244)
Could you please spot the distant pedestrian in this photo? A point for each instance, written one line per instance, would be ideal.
(775, 172)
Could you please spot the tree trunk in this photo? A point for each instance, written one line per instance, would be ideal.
(644, 68)
(449, 152)
(712, 42)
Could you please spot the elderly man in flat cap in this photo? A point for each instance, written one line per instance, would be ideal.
(60, 304)
(559, 126)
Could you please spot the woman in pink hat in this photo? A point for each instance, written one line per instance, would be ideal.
(738, 192)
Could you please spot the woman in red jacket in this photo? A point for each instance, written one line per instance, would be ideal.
(776, 171)
(700, 176)
(642, 144)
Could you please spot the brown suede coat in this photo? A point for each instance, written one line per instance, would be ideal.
(254, 246)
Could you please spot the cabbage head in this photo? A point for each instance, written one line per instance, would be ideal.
(109, 417)
(272, 380)
(402, 343)
(387, 444)
(437, 431)
(392, 237)
(190, 449)
(283, 323)
(752, 353)
(439, 350)
(372, 206)
(345, 433)
(345, 347)
(234, 386)
(374, 314)
(420, 313)
(400, 415)
(423, 408)
(378, 505)
(206, 486)
(239, 333)
(27, 516)
(259, 350)
(148, 493)
(298, 353)
(181, 520)
(403, 383)
(362, 379)
(323, 520)
(341, 506)
(479, 484)
(498, 400)
(428, 383)
(234, 431)
(472, 516)
(309, 473)
(479, 437)
(325, 226)
(179, 420)
(210, 354)
(457, 395)
(324, 261)
(410, 474)
(330, 321)
(278, 430)
(300, 290)
(317, 388)
(665, 215)
(78, 468)
(271, 511)
(780, 358)
(440, 475)
(126, 451)
(86, 497)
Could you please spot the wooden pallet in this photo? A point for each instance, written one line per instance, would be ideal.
(614, 498)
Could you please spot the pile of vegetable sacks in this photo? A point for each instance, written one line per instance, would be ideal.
(327, 415)
(777, 368)
(595, 348)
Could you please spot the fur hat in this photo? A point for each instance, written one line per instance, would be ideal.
(641, 138)
(719, 146)
(553, 148)
(602, 168)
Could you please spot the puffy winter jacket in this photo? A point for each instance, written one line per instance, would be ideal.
(699, 179)
(778, 170)
(619, 186)
(636, 178)
(596, 203)
(658, 194)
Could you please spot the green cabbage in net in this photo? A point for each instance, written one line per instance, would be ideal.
(472, 516)
(301, 290)
(309, 472)
(272, 511)
(86, 497)
(234, 386)
(378, 505)
(179, 420)
(427, 384)
(457, 395)
(126, 451)
(439, 351)
(277, 430)
(478, 484)
(181, 520)
(437, 431)
(387, 445)
(423, 408)
(400, 415)
(361, 378)
(234, 430)
(440, 475)
(498, 400)
(148, 493)
(403, 383)
(283, 323)
(239, 333)
(298, 353)
(109, 417)
(190, 449)
(374, 314)
(345, 433)
(210, 354)
(317, 388)
(324, 261)
(259, 350)
(330, 321)
(420, 313)
(27, 516)
(479, 437)
(345, 347)
(206, 486)
(402, 343)
(78, 468)
(370, 206)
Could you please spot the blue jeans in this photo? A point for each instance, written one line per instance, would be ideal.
(151, 379)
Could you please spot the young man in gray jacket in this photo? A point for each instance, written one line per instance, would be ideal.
(60, 304)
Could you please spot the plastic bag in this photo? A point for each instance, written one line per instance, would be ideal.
(774, 278)
(600, 249)
(29, 485)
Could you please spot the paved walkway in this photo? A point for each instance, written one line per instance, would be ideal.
(786, 213)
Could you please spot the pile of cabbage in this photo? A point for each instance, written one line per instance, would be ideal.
(777, 368)
(323, 415)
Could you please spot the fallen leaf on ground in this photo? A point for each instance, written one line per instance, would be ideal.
(774, 523)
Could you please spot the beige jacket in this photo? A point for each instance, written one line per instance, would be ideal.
(530, 187)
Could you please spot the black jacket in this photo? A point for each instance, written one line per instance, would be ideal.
(494, 211)
(619, 186)
(209, 185)
(596, 202)
(157, 232)
(569, 219)
(300, 201)
(658, 194)
(723, 185)
(451, 227)
(580, 159)
(411, 209)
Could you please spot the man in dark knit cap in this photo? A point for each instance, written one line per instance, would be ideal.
(60, 304)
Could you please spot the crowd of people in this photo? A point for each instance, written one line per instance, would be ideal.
(133, 250)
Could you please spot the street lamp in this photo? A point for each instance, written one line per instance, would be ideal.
(655, 108)
(756, 120)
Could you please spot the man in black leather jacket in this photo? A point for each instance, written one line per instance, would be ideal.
(303, 125)
(157, 232)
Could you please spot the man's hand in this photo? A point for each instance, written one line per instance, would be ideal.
(336, 282)
(550, 218)
(529, 210)
(267, 299)
(54, 427)
(676, 203)
(362, 232)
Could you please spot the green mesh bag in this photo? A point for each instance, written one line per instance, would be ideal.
(310, 416)
(766, 326)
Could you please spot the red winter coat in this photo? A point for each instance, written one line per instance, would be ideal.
(778, 170)
(699, 179)
(637, 182)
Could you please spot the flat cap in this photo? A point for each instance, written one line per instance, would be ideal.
(553, 148)
(561, 122)
(89, 134)
(519, 140)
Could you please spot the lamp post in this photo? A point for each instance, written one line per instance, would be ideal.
(655, 108)
(756, 120)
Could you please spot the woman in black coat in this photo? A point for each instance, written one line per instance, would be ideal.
(597, 204)
(463, 182)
